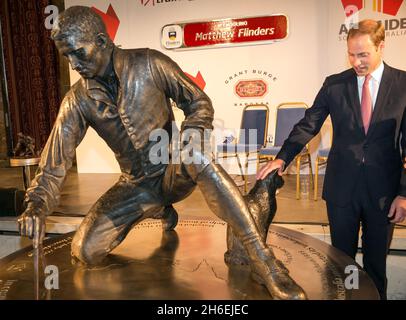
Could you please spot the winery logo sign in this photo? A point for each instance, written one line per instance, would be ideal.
(250, 86)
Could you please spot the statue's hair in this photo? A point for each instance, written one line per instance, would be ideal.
(375, 30)
(79, 21)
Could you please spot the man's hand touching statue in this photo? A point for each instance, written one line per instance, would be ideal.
(269, 167)
(397, 212)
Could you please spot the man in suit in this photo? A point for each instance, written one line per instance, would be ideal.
(365, 183)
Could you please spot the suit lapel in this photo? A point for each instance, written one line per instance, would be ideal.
(382, 98)
(353, 98)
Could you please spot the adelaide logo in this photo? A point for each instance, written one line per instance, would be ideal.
(110, 19)
(395, 26)
(390, 7)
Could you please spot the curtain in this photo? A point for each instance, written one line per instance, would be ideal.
(32, 69)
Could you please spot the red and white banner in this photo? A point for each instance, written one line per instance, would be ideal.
(225, 32)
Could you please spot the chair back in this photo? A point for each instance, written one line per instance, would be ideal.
(254, 117)
(287, 115)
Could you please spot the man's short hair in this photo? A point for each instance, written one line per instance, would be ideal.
(80, 21)
(375, 30)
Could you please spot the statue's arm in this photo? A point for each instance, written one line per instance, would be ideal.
(57, 156)
(195, 104)
(56, 159)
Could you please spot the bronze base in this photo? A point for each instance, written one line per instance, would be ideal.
(185, 264)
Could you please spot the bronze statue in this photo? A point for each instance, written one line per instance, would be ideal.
(25, 147)
(125, 95)
(261, 201)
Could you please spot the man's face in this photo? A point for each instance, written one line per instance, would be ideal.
(363, 55)
(89, 59)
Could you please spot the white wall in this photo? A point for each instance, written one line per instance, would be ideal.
(298, 64)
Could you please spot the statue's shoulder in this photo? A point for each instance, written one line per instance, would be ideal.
(125, 59)
(129, 54)
(75, 93)
(138, 54)
(77, 88)
(140, 60)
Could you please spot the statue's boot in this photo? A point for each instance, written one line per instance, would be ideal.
(169, 218)
(226, 201)
(270, 272)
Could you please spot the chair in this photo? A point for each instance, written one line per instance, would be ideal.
(25, 163)
(252, 137)
(321, 160)
(287, 115)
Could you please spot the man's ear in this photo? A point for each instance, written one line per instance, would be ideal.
(101, 40)
(381, 46)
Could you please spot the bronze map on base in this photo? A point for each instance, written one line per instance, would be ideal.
(185, 264)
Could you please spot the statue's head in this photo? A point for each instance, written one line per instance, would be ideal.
(80, 35)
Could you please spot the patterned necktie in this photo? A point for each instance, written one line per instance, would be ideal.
(366, 104)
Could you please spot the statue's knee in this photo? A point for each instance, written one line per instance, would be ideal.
(86, 250)
(195, 163)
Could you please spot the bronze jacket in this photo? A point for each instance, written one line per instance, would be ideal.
(147, 80)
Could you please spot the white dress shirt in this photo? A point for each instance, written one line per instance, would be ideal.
(374, 83)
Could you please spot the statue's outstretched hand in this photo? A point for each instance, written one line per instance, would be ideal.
(31, 224)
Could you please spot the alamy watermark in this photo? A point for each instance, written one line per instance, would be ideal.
(197, 146)
(52, 13)
(352, 17)
(52, 277)
(352, 280)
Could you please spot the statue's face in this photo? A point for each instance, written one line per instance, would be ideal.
(89, 59)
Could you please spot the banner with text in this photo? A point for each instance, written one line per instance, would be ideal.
(225, 32)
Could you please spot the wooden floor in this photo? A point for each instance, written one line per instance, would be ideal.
(80, 191)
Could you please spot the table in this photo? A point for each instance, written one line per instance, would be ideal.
(25, 163)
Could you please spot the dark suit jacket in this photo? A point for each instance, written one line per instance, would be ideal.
(381, 148)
